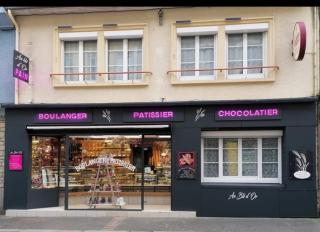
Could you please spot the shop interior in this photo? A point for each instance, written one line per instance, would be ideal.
(105, 171)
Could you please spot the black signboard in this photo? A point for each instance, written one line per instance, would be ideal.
(300, 165)
(186, 165)
(20, 66)
(153, 115)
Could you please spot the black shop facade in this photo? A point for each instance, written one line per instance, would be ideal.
(221, 159)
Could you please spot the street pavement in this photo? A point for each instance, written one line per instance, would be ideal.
(74, 224)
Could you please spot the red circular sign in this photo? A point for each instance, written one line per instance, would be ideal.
(299, 41)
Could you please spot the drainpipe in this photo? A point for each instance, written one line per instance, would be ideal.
(16, 86)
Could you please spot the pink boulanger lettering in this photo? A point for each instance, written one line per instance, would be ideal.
(152, 114)
(247, 113)
(73, 116)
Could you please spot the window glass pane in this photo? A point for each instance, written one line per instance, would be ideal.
(230, 169)
(187, 56)
(235, 40)
(135, 44)
(270, 155)
(134, 58)
(206, 41)
(235, 64)
(255, 63)
(230, 143)
(208, 65)
(254, 38)
(211, 170)
(71, 46)
(71, 70)
(45, 153)
(249, 143)
(115, 58)
(90, 46)
(187, 42)
(270, 143)
(269, 170)
(235, 54)
(250, 169)
(71, 59)
(134, 76)
(115, 76)
(211, 142)
(255, 52)
(211, 155)
(230, 155)
(115, 44)
(206, 55)
(249, 155)
(188, 66)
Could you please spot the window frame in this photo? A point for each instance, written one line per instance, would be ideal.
(124, 35)
(77, 37)
(244, 29)
(197, 32)
(239, 135)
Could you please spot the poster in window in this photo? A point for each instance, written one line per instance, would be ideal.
(15, 161)
(186, 165)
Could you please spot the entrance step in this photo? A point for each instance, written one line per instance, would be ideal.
(58, 212)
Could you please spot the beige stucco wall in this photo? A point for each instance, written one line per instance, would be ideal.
(294, 79)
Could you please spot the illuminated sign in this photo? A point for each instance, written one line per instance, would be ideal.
(148, 115)
(20, 66)
(15, 161)
(248, 114)
(47, 117)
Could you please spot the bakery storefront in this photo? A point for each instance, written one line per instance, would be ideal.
(235, 158)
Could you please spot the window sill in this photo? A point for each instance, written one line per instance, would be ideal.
(241, 185)
(175, 81)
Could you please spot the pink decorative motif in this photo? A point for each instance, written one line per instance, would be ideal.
(15, 161)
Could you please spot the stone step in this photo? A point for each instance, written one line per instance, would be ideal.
(47, 212)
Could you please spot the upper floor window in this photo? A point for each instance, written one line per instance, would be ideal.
(246, 49)
(79, 56)
(124, 55)
(196, 52)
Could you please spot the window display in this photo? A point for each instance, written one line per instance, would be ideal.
(45, 156)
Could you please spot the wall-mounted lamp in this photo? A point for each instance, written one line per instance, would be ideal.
(160, 14)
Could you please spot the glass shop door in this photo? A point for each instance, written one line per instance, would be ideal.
(47, 166)
(104, 172)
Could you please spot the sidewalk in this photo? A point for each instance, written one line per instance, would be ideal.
(75, 224)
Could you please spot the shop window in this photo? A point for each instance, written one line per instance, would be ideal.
(246, 48)
(79, 55)
(253, 157)
(124, 55)
(45, 159)
(196, 47)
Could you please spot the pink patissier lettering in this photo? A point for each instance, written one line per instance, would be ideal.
(152, 114)
(247, 113)
(62, 116)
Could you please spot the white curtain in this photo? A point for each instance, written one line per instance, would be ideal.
(90, 59)
(71, 60)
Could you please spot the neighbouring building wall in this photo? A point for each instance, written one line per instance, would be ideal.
(2, 131)
(293, 79)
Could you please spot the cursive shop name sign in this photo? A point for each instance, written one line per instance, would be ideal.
(248, 114)
(243, 196)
